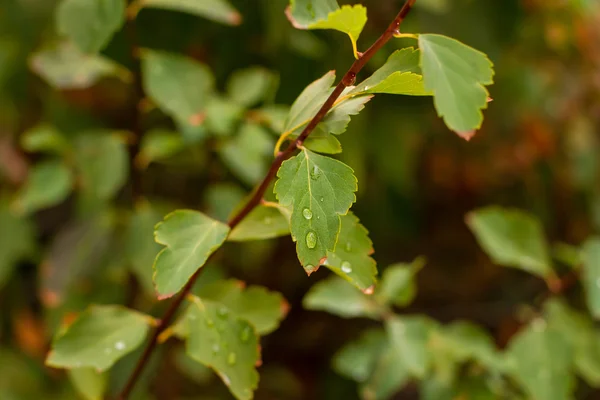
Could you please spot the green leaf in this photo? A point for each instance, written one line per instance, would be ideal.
(389, 376)
(98, 338)
(44, 138)
(225, 343)
(249, 153)
(591, 274)
(179, 85)
(158, 145)
(140, 247)
(262, 308)
(90, 23)
(409, 336)
(251, 85)
(215, 10)
(309, 14)
(336, 121)
(90, 384)
(222, 116)
(357, 359)
(103, 163)
(48, 184)
(319, 189)
(404, 61)
(540, 359)
(351, 259)
(338, 297)
(262, 223)
(63, 66)
(398, 285)
(581, 333)
(190, 237)
(17, 241)
(457, 75)
(512, 238)
(305, 12)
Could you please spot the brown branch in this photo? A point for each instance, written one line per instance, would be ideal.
(256, 198)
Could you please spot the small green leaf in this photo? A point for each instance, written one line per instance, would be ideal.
(457, 75)
(48, 184)
(540, 358)
(215, 10)
(251, 85)
(512, 238)
(349, 20)
(98, 338)
(225, 343)
(320, 190)
(179, 85)
(398, 285)
(262, 223)
(389, 376)
(103, 163)
(158, 145)
(140, 247)
(222, 116)
(44, 138)
(591, 273)
(190, 237)
(262, 308)
(336, 121)
(404, 61)
(63, 66)
(352, 256)
(338, 297)
(248, 153)
(357, 359)
(90, 23)
(17, 240)
(409, 336)
(90, 384)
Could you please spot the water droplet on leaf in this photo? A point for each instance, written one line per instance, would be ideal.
(315, 173)
(311, 240)
(120, 345)
(322, 199)
(216, 348)
(245, 334)
(348, 247)
(346, 267)
(307, 213)
(231, 358)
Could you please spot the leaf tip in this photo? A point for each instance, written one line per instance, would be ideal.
(370, 290)
(467, 135)
(235, 18)
(290, 17)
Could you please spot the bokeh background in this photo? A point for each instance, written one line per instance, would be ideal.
(538, 150)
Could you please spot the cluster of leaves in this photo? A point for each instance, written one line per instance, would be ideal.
(556, 343)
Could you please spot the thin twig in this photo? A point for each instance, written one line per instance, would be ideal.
(347, 80)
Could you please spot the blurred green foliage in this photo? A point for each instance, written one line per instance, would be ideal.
(80, 193)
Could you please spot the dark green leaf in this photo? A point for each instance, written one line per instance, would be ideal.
(512, 238)
(44, 138)
(17, 240)
(98, 338)
(179, 85)
(190, 237)
(320, 190)
(158, 145)
(357, 359)
(48, 184)
(398, 285)
(262, 223)
(90, 23)
(225, 343)
(409, 336)
(250, 86)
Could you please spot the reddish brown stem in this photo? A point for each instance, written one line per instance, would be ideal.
(347, 80)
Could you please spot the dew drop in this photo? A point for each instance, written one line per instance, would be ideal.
(322, 199)
(223, 312)
(120, 345)
(348, 247)
(245, 334)
(309, 268)
(216, 348)
(311, 240)
(346, 267)
(307, 213)
(315, 173)
(231, 358)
